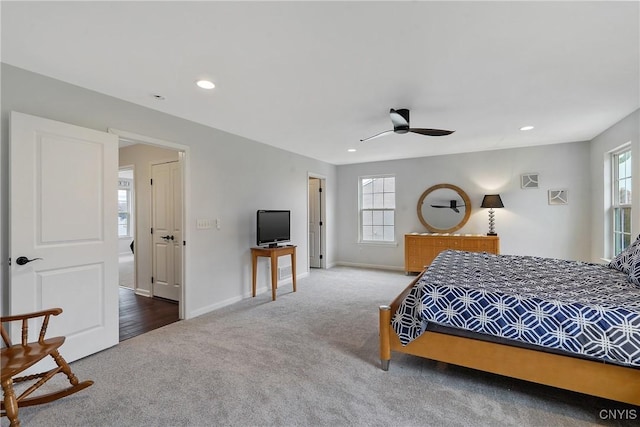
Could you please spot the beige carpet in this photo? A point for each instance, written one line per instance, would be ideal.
(308, 359)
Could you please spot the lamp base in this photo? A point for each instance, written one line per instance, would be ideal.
(492, 229)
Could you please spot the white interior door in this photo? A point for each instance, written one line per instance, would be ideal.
(167, 230)
(314, 223)
(63, 216)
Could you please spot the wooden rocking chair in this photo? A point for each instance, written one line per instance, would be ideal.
(19, 357)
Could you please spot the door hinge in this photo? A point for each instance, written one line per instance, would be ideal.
(184, 243)
(320, 223)
(320, 190)
(9, 260)
(151, 230)
(151, 181)
(151, 279)
(320, 256)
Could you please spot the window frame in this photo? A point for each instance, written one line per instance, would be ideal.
(361, 209)
(617, 235)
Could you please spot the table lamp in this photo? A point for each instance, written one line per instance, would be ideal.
(492, 201)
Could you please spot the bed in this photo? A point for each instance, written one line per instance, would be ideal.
(566, 324)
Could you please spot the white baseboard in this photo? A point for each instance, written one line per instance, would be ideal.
(289, 279)
(233, 300)
(142, 292)
(373, 266)
(213, 307)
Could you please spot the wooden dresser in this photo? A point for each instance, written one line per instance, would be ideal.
(421, 249)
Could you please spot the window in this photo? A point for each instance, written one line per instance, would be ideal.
(377, 209)
(124, 208)
(621, 200)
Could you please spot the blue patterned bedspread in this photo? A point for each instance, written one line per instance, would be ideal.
(579, 307)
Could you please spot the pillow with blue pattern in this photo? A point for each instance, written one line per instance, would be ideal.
(634, 271)
(624, 259)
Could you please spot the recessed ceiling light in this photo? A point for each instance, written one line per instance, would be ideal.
(526, 128)
(351, 150)
(205, 84)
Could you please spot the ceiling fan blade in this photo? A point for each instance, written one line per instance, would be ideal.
(432, 132)
(399, 118)
(386, 132)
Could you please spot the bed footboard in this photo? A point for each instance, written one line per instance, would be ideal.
(584, 376)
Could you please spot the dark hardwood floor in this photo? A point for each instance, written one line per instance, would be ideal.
(141, 314)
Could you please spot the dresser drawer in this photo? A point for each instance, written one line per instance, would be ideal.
(446, 242)
(420, 250)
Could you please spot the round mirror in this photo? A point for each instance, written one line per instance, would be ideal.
(444, 208)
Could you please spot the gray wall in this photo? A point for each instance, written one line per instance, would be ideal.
(527, 225)
(230, 178)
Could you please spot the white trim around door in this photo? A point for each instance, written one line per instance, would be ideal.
(183, 157)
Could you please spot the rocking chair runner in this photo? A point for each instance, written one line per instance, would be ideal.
(16, 358)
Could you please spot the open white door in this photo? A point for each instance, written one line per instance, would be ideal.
(315, 222)
(63, 219)
(166, 221)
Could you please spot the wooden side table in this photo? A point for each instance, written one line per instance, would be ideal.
(273, 253)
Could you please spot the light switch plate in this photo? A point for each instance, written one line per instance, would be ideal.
(203, 224)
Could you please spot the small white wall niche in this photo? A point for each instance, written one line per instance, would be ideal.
(558, 197)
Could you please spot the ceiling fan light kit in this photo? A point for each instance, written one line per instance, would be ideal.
(400, 120)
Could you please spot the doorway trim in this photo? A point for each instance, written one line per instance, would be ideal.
(183, 157)
(323, 216)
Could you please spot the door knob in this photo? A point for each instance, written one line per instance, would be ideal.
(22, 260)
(167, 237)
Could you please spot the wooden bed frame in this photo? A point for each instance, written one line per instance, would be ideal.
(585, 376)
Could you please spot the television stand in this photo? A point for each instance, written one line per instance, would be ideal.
(273, 252)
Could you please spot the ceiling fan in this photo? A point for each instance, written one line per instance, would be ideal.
(453, 205)
(400, 120)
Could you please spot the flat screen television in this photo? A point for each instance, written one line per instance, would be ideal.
(273, 227)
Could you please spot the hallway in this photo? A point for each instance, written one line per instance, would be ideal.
(139, 314)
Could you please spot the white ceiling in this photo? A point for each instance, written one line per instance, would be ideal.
(316, 77)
